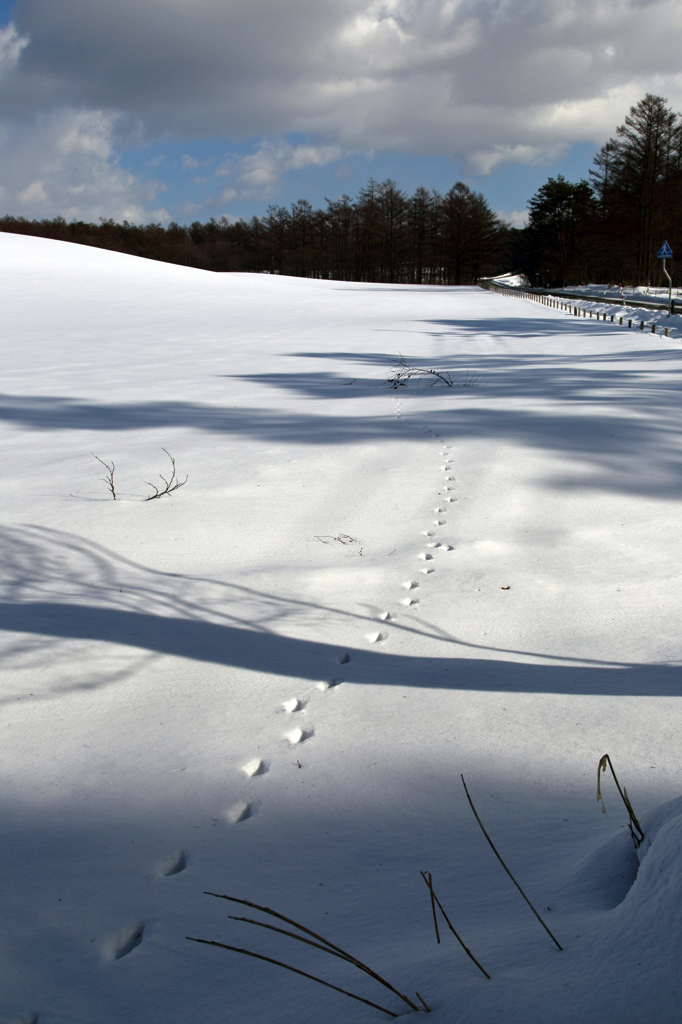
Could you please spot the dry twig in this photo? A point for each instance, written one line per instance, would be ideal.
(278, 963)
(109, 478)
(403, 372)
(427, 1008)
(330, 945)
(426, 875)
(171, 485)
(492, 846)
(638, 835)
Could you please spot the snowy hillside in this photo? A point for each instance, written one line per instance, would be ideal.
(267, 684)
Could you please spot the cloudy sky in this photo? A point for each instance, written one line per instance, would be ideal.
(187, 109)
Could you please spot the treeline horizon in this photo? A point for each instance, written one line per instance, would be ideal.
(607, 229)
(382, 235)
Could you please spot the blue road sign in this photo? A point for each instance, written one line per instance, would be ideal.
(665, 252)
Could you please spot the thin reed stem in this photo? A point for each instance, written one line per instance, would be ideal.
(601, 767)
(433, 904)
(352, 959)
(440, 907)
(427, 1008)
(292, 935)
(492, 846)
(278, 963)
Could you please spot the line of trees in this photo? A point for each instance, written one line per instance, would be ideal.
(606, 229)
(383, 235)
(609, 229)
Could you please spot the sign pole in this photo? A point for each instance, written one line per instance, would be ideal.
(665, 253)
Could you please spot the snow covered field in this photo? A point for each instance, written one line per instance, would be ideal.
(359, 594)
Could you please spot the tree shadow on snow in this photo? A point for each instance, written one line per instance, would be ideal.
(272, 653)
(617, 412)
(58, 586)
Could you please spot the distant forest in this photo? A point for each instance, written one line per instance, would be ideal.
(382, 235)
(606, 229)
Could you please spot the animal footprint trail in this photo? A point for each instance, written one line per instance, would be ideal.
(254, 767)
(173, 864)
(327, 684)
(239, 811)
(299, 735)
(123, 942)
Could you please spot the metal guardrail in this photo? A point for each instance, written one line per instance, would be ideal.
(490, 285)
(548, 298)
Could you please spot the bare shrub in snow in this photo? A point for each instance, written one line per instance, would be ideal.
(403, 372)
(169, 486)
(109, 478)
(173, 484)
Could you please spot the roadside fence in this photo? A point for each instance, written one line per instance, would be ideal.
(572, 309)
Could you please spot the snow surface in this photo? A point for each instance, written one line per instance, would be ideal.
(268, 684)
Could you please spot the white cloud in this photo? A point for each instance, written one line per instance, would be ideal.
(489, 81)
(188, 162)
(11, 45)
(34, 193)
(258, 174)
(64, 164)
(517, 218)
(483, 162)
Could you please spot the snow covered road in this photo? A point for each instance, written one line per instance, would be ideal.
(282, 669)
